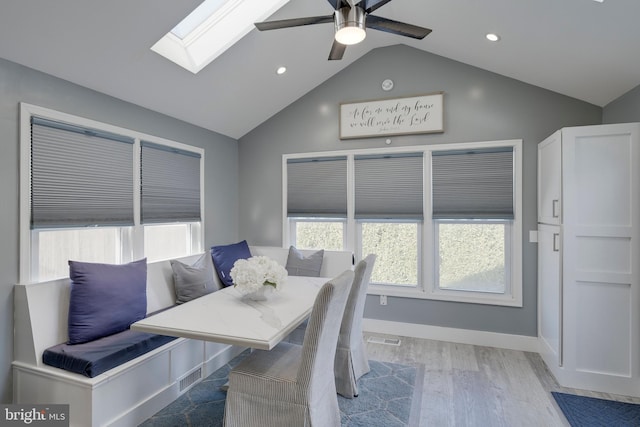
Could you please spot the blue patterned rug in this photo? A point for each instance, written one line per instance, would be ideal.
(390, 396)
(583, 411)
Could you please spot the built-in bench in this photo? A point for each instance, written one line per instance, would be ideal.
(134, 388)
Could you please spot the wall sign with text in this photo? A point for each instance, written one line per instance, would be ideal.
(397, 116)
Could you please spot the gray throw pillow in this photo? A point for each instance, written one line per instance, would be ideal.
(299, 265)
(194, 281)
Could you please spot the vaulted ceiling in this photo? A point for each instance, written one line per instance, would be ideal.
(581, 48)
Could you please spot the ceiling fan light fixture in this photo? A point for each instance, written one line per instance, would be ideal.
(350, 25)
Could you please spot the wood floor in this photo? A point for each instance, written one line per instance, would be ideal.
(467, 385)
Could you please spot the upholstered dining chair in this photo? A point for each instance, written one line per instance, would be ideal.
(293, 385)
(352, 361)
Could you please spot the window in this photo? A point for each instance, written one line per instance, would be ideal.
(444, 220)
(388, 194)
(55, 247)
(97, 193)
(473, 214)
(310, 233)
(396, 245)
(212, 28)
(473, 256)
(167, 241)
(317, 202)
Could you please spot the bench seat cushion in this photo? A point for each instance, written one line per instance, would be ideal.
(95, 357)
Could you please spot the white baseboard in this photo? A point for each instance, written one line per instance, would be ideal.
(463, 336)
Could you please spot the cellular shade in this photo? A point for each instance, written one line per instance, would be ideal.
(317, 187)
(473, 184)
(389, 186)
(170, 184)
(79, 176)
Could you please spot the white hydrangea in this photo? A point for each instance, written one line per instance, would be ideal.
(250, 274)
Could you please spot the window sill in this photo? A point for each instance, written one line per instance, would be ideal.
(453, 296)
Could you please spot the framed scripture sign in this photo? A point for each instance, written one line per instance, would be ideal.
(396, 116)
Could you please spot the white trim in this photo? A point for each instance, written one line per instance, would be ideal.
(350, 234)
(462, 336)
(286, 232)
(28, 110)
(25, 189)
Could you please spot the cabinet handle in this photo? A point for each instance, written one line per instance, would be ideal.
(556, 242)
(554, 208)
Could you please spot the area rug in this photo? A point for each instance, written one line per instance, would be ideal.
(390, 396)
(583, 411)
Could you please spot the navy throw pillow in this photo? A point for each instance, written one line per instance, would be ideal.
(225, 256)
(105, 298)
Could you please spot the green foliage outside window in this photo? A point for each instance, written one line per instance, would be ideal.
(320, 235)
(396, 247)
(472, 257)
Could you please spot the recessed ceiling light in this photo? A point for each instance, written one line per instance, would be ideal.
(492, 37)
(281, 70)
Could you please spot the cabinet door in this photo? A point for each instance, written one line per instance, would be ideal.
(549, 294)
(600, 255)
(550, 179)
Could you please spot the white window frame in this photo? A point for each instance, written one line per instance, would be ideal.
(512, 298)
(131, 237)
(425, 289)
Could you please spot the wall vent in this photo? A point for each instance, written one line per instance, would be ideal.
(190, 379)
(386, 341)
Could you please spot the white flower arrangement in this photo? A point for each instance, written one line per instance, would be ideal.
(250, 275)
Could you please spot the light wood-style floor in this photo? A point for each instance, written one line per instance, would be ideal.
(468, 385)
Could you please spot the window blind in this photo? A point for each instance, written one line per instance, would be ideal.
(473, 184)
(317, 187)
(79, 177)
(170, 184)
(389, 186)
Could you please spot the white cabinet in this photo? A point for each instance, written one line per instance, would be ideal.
(550, 179)
(589, 289)
(549, 293)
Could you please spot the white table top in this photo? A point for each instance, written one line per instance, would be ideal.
(225, 316)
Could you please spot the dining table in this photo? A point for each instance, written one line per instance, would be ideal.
(231, 317)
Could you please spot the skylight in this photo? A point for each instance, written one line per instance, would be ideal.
(212, 28)
(197, 17)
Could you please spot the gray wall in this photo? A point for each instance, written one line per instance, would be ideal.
(478, 106)
(20, 84)
(624, 109)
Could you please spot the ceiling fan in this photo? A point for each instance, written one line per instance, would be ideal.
(351, 18)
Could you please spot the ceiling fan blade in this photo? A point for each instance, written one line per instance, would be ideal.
(371, 5)
(337, 4)
(295, 22)
(337, 51)
(395, 27)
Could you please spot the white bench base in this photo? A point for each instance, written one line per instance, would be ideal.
(134, 391)
(128, 394)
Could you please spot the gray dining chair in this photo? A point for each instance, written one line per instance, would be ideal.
(352, 361)
(293, 385)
